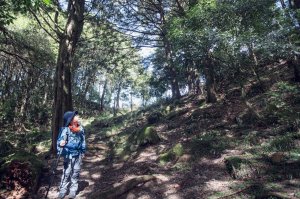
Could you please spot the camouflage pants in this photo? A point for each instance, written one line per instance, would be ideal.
(71, 170)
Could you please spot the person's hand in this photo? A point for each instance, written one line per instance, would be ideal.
(62, 143)
(82, 155)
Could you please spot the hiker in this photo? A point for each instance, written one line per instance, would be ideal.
(73, 152)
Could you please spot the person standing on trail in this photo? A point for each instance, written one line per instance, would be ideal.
(72, 139)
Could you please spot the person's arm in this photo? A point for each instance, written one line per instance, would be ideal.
(60, 141)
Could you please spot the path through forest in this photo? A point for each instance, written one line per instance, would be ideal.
(102, 171)
(214, 140)
(99, 173)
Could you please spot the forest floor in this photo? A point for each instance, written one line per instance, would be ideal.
(232, 149)
(236, 148)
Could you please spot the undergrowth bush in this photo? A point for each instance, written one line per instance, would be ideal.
(282, 143)
(210, 144)
(283, 103)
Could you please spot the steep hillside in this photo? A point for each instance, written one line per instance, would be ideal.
(237, 148)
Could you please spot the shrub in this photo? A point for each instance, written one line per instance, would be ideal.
(282, 102)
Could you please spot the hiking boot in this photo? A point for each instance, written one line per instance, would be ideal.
(61, 195)
(72, 195)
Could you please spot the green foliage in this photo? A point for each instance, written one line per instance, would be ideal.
(24, 156)
(178, 150)
(252, 139)
(47, 2)
(210, 144)
(7, 113)
(6, 16)
(5, 148)
(283, 143)
(175, 152)
(27, 67)
(147, 135)
(282, 103)
(241, 167)
(107, 74)
(154, 117)
(166, 157)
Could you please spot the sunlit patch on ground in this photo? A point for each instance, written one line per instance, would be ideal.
(147, 155)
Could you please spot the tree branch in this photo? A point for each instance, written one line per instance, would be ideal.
(40, 24)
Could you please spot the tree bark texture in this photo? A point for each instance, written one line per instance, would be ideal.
(62, 79)
(210, 82)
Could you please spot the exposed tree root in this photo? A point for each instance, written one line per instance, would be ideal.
(121, 189)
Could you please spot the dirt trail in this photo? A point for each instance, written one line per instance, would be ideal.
(200, 180)
(204, 177)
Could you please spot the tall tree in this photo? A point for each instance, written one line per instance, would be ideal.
(68, 40)
(148, 21)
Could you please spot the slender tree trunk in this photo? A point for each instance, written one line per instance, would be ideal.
(283, 4)
(198, 86)
(62, 81)
(295, 62)
(25, 97)
(143, 100)
(118, 97)
(254, 68)
(168, 53)
(115, 109)
(45, 98)
(190, 74)
(87, 86)
(171, 69)
(102, 96)
(210, 82)
(131, 103)
(31, 80)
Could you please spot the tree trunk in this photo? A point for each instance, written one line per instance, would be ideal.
(254, 68)
(210, 82)
(131, 102)
(26, 96)
(283, 4)
(295, 4)
(296, 71)
(115, 110)
(294, 64)
(62, 79)
(197, 83)
(174, 84)
(102, 96)
(87, 86)
(190, 74)
(170, 68)
(118, 97)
